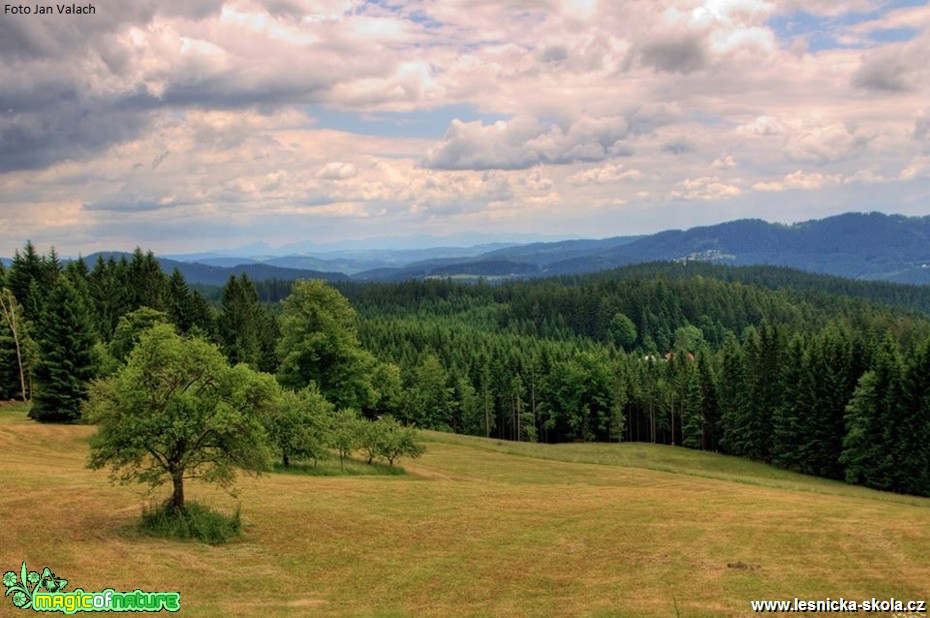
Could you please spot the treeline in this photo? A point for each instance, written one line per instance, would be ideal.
(66, 326)
(779, 376)
(62, 321)
(758, 363)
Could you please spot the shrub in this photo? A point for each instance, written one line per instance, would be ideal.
(194, 521)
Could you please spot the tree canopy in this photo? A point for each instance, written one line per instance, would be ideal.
(65, 339)
(319, 345)
(176, 411)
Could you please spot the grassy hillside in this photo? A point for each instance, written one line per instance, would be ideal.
(476, 527)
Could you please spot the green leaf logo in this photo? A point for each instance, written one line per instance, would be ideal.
(23, 586)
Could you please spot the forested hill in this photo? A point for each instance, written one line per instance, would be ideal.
(821, 290)
(854, 245)
(821, 383)
(811, 373)
(906, 296)
(660, 299)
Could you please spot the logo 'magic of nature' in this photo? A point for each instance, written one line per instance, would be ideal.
(43, 592)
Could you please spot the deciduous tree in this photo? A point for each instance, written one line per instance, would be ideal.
(299, 425)
(178, 411)
(319, 344)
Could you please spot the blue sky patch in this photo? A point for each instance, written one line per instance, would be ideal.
(894, 35)
(422, 124)
(824, 33)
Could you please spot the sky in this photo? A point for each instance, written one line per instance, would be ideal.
(186, 126)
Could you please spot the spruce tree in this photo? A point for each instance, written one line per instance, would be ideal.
(203, 317)
(912, 450)
(146, 283)
(27, 269)
(109, 294)
(180, 307)
(734, 401)
(693, 423)
(868, 456)
(826, 385)
(787, 432)
(241, 322)
(65, 365)
(710, 404)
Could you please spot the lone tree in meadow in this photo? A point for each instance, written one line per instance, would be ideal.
(392, 440)
(177, 411)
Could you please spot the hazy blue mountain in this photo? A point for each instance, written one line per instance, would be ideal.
(223, 262)
(351, 262)
(542, 254)
(413, 242)
(347, 261)
(854, 245)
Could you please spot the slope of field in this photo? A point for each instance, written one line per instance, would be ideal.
(476, 527)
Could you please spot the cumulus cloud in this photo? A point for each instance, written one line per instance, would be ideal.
(337, 170)
(918, 167)
(282, 111)
(606, 174)
(798, 180)
(523, 142)
(823, 144)
(705, 188)
(679, 145)
(864, 177)
(899, 69)
(689, 37)
(684, 53)
(70, 91)
(34, 137)
(762, 126)
(922, 125)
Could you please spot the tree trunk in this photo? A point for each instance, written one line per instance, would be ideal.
(9, 311)
(652, 421)
(671, 413)
(487, 417)
(533, 406)
(177, 498)
(285, 460)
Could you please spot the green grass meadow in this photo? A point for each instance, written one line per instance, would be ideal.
(474, 528)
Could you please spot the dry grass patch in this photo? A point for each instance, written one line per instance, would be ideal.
(475, 530)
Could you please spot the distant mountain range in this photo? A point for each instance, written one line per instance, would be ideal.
(869, 246)
(854, 245)
(347, 261)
